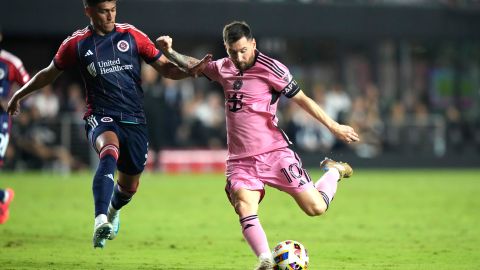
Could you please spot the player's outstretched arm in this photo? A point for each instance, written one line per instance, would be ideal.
(171, 70)
(343, 132)
(41, 79)
(191, 65)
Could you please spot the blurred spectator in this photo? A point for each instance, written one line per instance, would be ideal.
(209, 123)
(419, 132)
(337, 103)
(454, 130)
(46, 102)
(396, 128)
(153, 106)
(74, 102)
(304, 130)
(36, 145)
(365, 119)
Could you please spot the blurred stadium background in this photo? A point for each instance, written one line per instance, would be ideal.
(404, 73)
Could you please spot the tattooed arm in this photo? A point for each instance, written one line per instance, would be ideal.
(189, 64)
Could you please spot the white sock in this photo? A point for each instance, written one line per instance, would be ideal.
(100, 219)
(5, 197)
(265, 256)
(111, 209)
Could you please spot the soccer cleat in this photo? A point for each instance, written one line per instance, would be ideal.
(265, 264)
(343, 168)
(101, 233)
(114, 218)
(4, 207)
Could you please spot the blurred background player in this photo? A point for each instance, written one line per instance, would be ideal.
(109, 55)
(258, 152)
(11, 72)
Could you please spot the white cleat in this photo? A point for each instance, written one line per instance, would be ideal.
(114, 218)
(265, 264)
(101, 233)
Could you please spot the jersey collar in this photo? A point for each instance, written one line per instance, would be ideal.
(106, 35)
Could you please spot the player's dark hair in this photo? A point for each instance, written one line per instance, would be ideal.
(234, 31)
(92, 3)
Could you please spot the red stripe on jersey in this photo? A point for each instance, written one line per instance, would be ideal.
(16, 72)
(66, 55)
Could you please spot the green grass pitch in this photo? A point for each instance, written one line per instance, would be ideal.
(380, 219)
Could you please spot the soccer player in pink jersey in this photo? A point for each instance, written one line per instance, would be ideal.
(258, 152)
(11, 72)
(109, 57)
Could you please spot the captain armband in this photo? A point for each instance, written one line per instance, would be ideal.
(291, 89)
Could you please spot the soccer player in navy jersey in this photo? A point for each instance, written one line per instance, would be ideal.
(109, 55)
(11, 72)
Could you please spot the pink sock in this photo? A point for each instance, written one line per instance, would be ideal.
(253, 232)
(327, 185)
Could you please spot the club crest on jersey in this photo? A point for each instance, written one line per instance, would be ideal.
(123, 46)
(237, 85)
(91, 69)
(106, 119)
(2, 73)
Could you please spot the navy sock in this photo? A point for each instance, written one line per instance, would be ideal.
(103, 182)
(2, 195)
(120, 198)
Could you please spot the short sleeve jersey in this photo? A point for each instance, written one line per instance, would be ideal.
(251, 99)
(11, 71)
(110, 67)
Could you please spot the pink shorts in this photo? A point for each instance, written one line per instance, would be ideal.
(280, 168)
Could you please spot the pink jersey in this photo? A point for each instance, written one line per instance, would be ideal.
(251, 99)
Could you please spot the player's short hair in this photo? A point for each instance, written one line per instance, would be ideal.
(92, 3)
(234, 31)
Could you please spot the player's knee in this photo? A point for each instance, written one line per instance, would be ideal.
(129, 188)
(315, 210)
(109, 150)
(243, 208)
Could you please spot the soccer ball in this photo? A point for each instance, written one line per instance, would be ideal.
(290, 255)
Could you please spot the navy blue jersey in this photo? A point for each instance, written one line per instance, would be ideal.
(11, 71)
(110, 67)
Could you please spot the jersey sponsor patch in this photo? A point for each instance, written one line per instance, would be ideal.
(91, 69)
(106, 119)
(123, 46)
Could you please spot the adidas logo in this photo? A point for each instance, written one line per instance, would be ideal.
(110, 176)
(88, 53)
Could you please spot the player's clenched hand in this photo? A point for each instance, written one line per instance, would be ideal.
(346, 133)
(198, 67)
(164, 43)
(13, 106)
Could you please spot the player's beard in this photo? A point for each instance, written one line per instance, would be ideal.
(244, 65)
